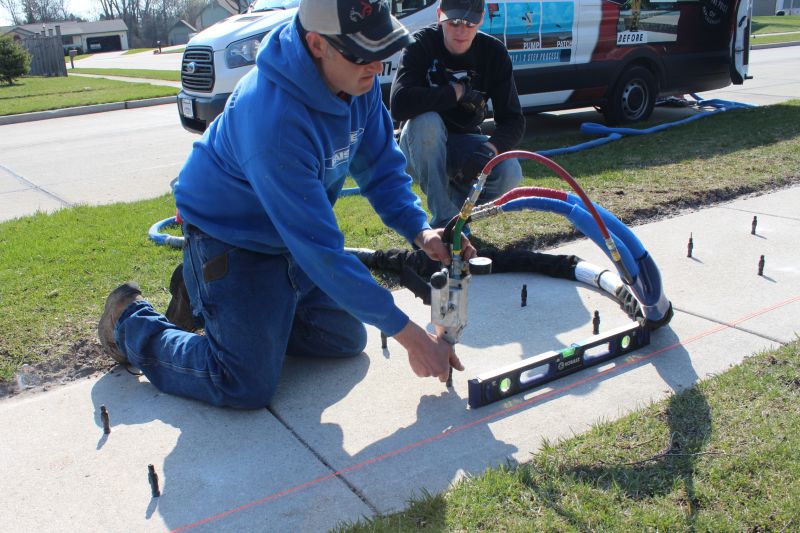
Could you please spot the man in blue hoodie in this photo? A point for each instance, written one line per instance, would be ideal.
(264, 262)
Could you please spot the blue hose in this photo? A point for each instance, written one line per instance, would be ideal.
(646, 285)
(582, 146)
(647, 280)
(155, 234)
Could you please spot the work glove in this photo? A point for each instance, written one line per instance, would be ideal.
(472, 108)
(473, 164)
(472, 102)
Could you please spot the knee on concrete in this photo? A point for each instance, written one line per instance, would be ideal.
(257, 396)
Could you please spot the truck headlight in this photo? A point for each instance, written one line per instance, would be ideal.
(242, 53)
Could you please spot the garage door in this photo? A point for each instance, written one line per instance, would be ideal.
(107, 43)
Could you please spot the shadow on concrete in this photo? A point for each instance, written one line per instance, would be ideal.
(688, 430)
(222, 459)
(367, 440)
(553, 306)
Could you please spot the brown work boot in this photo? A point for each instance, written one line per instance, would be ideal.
(119, 299)
(179, 310)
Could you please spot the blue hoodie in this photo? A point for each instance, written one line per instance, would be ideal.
(266, 173)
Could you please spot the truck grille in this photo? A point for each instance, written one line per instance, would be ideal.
(197, 69)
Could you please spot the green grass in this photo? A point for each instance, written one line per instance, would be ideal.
(721, 456)
(132, 51)
(33, 93)
(762, 25)
(56, 269)
(775, 39)
(52, 281)
(169, 75)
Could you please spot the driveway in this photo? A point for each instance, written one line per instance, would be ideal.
(144, 60)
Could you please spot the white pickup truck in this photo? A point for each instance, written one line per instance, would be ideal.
(617, 55)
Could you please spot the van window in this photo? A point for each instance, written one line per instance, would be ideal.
(403, 8)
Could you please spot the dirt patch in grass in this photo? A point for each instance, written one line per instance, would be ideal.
(84, 358)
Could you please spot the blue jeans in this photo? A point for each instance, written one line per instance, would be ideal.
(256, 309)
(434, 156)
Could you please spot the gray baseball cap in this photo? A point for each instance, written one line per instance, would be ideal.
(365, 29)
(469, 10)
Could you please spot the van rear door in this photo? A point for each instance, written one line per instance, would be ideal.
(740, 42)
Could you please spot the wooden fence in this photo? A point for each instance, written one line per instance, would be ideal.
(47, 55)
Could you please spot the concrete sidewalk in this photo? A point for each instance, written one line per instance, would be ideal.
(350, 439)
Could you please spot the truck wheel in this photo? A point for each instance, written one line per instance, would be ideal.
(632, 98)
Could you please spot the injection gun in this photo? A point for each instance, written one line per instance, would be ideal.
(449, 289)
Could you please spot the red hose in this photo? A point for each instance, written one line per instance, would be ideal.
(527, 192)
(563, 174)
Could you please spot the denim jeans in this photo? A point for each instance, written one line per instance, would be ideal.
(434, 156)
(256, 309)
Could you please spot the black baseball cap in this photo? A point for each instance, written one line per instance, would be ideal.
(469, 10)
(364, 28)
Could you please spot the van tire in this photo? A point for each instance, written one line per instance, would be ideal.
(632, 98)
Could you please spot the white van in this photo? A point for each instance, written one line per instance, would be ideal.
(618, 55)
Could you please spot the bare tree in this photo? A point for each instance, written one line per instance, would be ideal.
(14, 10)
(34, 11)
(148, 21)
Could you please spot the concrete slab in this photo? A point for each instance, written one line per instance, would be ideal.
(347, 439)
(772, 81)
(720, 281)
(788, 206)
(20, 203)
(120, 173)
(64, 474)
(394, 435)
(129, 185)
(171, 61)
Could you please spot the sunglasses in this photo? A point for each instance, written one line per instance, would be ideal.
(455, 23)
(345, 54)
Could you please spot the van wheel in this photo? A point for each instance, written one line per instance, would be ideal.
(632, 98)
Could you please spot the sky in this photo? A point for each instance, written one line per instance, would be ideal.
(84, 8)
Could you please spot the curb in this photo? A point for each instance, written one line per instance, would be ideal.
(85, 110)
(773, 45)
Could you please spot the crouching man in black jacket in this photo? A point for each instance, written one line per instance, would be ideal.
(443, 82)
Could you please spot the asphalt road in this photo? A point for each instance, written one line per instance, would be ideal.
(128, 155)
(118, 156)
(143, 60)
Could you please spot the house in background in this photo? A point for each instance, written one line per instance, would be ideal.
(86, 37)
(767, 8)
(180, 33)
(215, 11)
(16, 32)
(789, 7)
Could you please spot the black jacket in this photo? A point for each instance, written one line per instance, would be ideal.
(422, 84)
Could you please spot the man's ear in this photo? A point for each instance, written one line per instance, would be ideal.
(316, 44)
